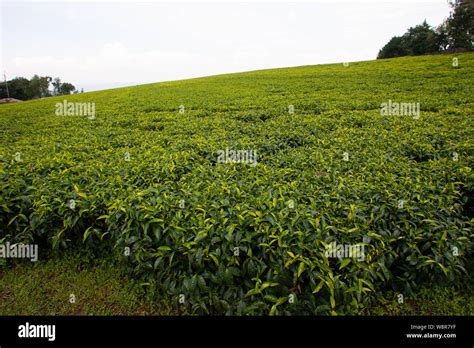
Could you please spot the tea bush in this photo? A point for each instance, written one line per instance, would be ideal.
(143, 179)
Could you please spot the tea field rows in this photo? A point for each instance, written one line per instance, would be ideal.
(142, 181)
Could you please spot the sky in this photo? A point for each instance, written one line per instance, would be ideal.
(98, 45)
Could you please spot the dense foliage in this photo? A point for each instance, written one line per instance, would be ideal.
(421, 39)
(238, 239)
(37, 87)
(456, 33)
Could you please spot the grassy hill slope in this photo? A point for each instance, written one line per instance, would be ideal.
(143, 180)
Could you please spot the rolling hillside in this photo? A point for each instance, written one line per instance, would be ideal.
(224, 194)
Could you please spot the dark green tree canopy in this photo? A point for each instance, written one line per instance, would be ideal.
(394, 48)
(460, 24)
(66, 88)
(456, 33)
(421, 39)
(38, 87)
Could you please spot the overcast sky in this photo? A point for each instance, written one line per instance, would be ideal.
(96, 45)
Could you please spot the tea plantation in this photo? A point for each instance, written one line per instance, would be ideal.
(141, 181)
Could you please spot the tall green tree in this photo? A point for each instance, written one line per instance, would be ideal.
(420, 39)
(56, 86)
(19, 88)
(394, 48)
(39, 87)
(460, 24)
(455, 33)
(442, 37)
(66, 88)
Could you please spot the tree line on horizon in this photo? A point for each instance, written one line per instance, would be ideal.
(37, 87)
(455, 34)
